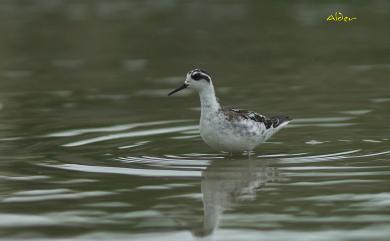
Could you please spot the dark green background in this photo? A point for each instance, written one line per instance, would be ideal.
(82, 65)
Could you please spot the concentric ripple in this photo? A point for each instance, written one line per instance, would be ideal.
(153, 174)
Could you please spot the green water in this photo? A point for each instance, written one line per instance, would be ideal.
(91, 148)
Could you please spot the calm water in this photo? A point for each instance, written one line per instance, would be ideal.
(91, 148)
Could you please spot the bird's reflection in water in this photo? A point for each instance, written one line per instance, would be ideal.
(227, 182)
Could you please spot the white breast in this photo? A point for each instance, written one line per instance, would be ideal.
(232, 136)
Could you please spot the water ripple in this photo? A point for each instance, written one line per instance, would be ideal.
(55, 194)
(109, 128)
(130, 134)
(127, 171)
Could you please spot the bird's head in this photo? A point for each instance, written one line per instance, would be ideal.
(195, 79)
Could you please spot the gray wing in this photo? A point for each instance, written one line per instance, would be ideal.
(274, 121)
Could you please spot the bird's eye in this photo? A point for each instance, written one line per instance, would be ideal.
(196, 76)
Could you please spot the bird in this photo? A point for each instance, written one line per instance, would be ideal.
(229, 129)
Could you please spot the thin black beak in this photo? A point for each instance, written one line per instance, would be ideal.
(178, 89)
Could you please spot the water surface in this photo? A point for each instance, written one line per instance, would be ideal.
(92, 148)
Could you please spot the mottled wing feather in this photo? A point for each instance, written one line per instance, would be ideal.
(275, 121)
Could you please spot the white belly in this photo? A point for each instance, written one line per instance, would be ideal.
(229, 143)
(225, 136)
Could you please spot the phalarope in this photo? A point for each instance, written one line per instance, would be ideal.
(229, 129)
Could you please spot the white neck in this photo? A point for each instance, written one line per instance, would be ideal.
(208, 100)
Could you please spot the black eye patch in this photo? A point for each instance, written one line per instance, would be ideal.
(196, 76)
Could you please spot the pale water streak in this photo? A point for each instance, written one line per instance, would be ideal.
(127, 171)
(129, 134)
(108, 129)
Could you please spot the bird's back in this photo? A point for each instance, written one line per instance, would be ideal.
(272, 122)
